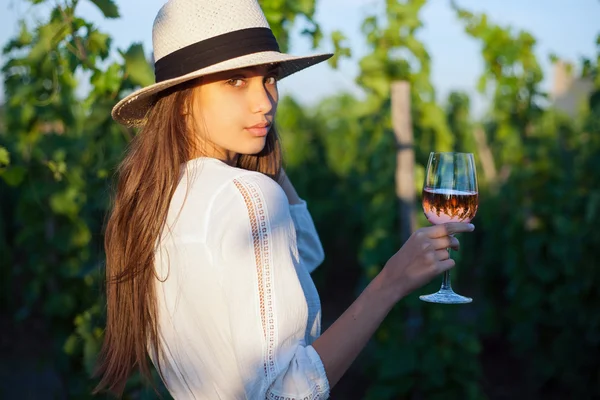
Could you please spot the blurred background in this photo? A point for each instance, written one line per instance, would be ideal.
(516, 83)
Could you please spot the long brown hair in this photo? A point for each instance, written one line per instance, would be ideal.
(147, 179)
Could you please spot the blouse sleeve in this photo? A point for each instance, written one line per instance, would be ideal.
(254, 242)
(309, 244)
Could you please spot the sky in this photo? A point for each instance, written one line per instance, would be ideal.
(567, 28)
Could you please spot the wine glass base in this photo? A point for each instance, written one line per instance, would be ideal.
(446, 297)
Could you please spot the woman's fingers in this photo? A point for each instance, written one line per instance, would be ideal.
(450, 228)
(433, 244)
(445, 265)
(454, 243)
(444, 243)
(441, 255)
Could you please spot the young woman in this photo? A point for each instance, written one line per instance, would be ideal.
(209, 248)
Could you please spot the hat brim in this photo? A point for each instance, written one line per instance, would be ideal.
(132, 110)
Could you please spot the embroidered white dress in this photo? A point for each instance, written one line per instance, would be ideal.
(237, 308)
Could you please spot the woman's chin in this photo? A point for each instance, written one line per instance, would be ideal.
(255, 147)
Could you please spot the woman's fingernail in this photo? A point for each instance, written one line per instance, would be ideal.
(472, 226)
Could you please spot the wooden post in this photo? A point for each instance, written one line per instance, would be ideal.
(487, 159)
(405, 157)
(405, 180)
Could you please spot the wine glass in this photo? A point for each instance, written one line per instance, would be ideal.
(449, 195)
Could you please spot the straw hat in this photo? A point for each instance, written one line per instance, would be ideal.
(193, 38)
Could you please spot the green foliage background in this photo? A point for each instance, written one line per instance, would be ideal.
(534, 329)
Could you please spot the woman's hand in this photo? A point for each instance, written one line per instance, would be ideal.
(422, 257)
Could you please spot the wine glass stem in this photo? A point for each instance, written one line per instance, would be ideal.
(446, 282)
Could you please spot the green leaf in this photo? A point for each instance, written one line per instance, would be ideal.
(137, 68)
(13, 176)
(25, 37)
(108, 8)
(340, 49)
(71, 344)
(82, 235)
(49, 36)
(65, 202)
(58, 168)
(90, 351)
(108, 81)
(306, 7)
(98, 43)
(4, 157)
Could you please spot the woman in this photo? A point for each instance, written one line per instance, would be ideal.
(209, 248)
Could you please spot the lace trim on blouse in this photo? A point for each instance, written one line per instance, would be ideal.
(261, 235)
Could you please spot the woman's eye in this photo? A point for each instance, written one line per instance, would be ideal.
(236, 82)
(271, 80)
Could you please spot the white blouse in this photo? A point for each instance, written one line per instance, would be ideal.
(237, 308)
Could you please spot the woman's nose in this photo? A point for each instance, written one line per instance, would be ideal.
(262, 100)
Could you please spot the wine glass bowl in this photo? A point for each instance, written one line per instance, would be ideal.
(447, 205)
(450, 194)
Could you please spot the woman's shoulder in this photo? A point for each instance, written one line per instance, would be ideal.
(251, 188)
(229, 186)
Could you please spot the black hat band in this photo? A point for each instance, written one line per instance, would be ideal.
(214, 50)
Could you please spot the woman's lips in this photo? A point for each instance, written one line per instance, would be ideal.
(259, 129)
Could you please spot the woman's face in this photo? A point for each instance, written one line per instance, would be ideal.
(233, 111)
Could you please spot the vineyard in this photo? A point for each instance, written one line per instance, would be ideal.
(533, 330)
